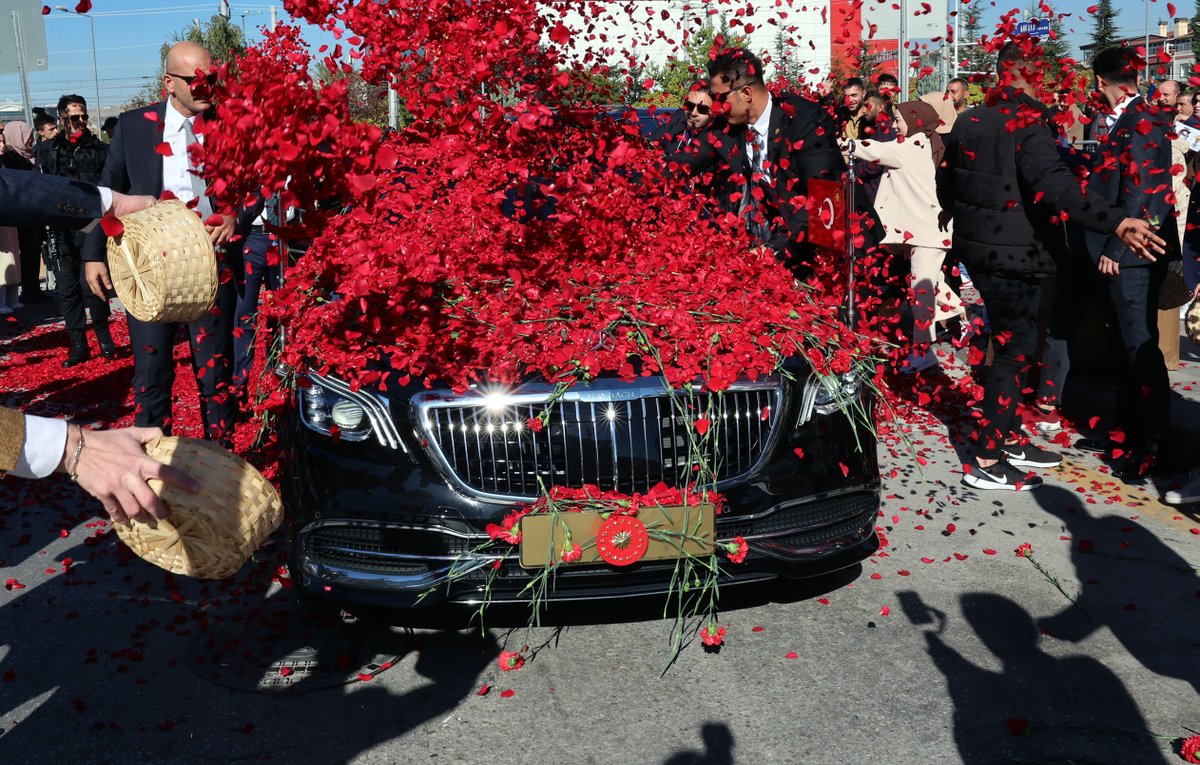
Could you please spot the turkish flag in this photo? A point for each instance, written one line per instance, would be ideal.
(827, 214)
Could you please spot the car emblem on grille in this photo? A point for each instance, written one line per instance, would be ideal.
(603, 341)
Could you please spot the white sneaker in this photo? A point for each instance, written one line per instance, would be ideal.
(1186, 494)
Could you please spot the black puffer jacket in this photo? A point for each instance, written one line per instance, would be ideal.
(1007, 188)
(81, 160)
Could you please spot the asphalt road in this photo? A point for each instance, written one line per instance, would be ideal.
(930, 652)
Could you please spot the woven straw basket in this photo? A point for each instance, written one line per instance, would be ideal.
(163, 267)
(209, 535)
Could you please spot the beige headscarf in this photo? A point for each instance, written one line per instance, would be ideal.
(19, 137)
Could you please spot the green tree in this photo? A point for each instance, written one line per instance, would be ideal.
(368, 103)
(220, 36)
(1104, 33)
(973, 57)
(1054, 47)
(673, 77)
(788, 65)
(1195, 30)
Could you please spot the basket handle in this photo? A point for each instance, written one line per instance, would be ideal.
(133, 270)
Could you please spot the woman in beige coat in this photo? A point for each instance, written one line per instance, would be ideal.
(908, 207)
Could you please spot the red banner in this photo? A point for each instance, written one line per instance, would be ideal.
(827, 214)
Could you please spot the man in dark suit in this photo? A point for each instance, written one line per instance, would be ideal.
(686, 124)
(32, 199)
(136, 164)
(761, 153)
(1132, 171)
(1008, 191)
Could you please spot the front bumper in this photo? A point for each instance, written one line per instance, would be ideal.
(393, 533)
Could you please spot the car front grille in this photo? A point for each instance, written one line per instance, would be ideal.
(624, 438)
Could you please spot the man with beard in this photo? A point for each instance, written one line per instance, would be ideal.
(76, 153)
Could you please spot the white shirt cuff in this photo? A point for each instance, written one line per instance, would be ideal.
(105, 206)
(42, 452)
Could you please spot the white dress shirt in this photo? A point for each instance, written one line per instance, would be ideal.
(1113, 117)
(45, 439)
(761, 126)
(177, 179)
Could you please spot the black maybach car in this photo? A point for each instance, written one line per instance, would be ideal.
(392, 510)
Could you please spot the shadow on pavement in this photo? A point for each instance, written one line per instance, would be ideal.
(1020, 704)
(718, 748)
(1133, 584)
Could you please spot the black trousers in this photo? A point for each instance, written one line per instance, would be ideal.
(65, 260)
(1143, 386)
(1012, 307)
(211, 341)
(259, 275)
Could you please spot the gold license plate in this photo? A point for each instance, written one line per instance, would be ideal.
(543, 533)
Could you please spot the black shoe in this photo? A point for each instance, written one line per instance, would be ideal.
(1136, 467)
(1096, 445)
(1001, 476)
(108, 349)
(79, 350)
(1030, 456)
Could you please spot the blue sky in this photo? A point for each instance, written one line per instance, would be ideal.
(129, 33)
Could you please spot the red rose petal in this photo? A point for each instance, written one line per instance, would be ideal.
(112, 225)
(508, 694)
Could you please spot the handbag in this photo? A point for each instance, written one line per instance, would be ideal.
(1174, 291)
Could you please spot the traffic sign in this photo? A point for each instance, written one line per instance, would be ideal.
(1034, 28)
(22, 31)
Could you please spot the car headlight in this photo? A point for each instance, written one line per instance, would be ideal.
(323, 409)
(835, 391)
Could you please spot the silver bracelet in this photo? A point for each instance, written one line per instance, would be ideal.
(73, 470)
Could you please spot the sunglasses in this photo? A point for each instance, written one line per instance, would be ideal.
(688, 106)
(210, 78)
(79, 118)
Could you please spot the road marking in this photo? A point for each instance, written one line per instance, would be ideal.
(1108, 490)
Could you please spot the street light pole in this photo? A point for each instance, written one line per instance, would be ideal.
(95, 65)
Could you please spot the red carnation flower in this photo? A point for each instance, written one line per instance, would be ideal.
(1189, 750)
(737, 549)
(510, 660)
(572, 555)
(712, 635)
(535, 424)
(1025, 550)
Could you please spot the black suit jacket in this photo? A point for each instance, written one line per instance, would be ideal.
(134, 167)
(28, 198)
(1132, 171)
(801, 145)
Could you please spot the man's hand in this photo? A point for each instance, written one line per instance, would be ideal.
(114, 468)
(1138, 235)
(96, 273)
(223, 233)
(127, 204)
(1108, 266)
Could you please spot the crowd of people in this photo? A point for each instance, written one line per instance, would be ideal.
(993, 191)
(945, 189)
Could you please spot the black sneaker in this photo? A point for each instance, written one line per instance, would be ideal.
(1030, 456)
(1001, 476)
